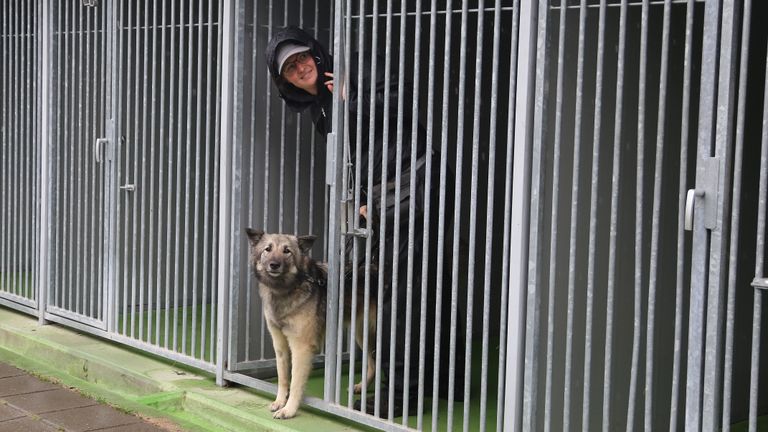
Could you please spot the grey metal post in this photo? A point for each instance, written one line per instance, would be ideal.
(227, 74)
(718, 261)
(45, 166)
(700, 235)
(334, 180)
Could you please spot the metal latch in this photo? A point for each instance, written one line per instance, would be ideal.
(707, 194)
(128, 187)
(89, 3)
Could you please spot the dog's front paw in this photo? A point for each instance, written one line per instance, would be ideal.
(276, 405)
(284, 413)
(358, 388)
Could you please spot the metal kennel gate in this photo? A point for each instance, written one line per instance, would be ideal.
(20, 209)
(134, 166)
(19, 155)
(640, 133)
(285, 178)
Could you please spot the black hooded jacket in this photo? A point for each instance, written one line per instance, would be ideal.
(320, 108)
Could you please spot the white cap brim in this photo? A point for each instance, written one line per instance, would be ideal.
(286, 50)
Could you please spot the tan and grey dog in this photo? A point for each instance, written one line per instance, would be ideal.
(292, 287)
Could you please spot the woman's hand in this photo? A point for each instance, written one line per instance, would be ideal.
(329, 85)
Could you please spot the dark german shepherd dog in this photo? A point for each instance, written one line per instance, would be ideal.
(292, 287)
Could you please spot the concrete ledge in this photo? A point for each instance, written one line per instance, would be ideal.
(144, 384)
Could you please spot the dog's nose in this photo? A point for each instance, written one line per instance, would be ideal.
(274, 266)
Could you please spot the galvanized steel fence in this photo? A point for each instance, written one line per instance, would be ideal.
(630, 322)
(20, 154)
(573, 143)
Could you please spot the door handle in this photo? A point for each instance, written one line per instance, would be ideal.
(689, 205)
(97, 148)
(128, 187)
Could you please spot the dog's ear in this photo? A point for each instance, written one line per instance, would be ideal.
(305, 243)
(254, 235)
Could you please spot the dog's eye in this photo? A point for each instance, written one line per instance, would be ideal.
(268, 249)
(286, 250)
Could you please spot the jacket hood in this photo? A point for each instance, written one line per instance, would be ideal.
(296, 98)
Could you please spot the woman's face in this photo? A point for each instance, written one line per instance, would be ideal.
(301, 71)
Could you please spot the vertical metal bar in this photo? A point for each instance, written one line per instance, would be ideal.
(206, 186)
(90, 133)
(23, 103)
(427, 212)
(13, 143)
(473, 213)
(102, 122)
(135, 143)
(170, 333)
(47, 40)
(8, 149)
(657, 185)
(219, 344)
(125, 138)
(507, 396)
(188, 168)
(639, 201)
(72, 145)
(281, 175)
(369, 242)
(699, 248)
(535, 266)
(17, 128)
(344, 133)
(249, 282)
(736, 216)
(312, 163)
(682, 191)
(383, 201)
(226, 68)
(3, 147)
(163, 143)
(23, 140)
(266, 183)
(38, 13)
(555, 215)
(369, 177)
(355, 220)
(109, 84)
(334, 215)
(575, 193)
(144, 192)
(726, 95)
(489, 217)
(441, 208)
(615, 187)
(757, 306)
(82, 153)
(457, 213)
(152, 290)
(298, 144)
(177, 284)
(54, 295)
(412, 212)
(397, 220)
(196, 224)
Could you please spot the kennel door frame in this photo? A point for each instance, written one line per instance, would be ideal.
(714, 173)
(101, 152)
